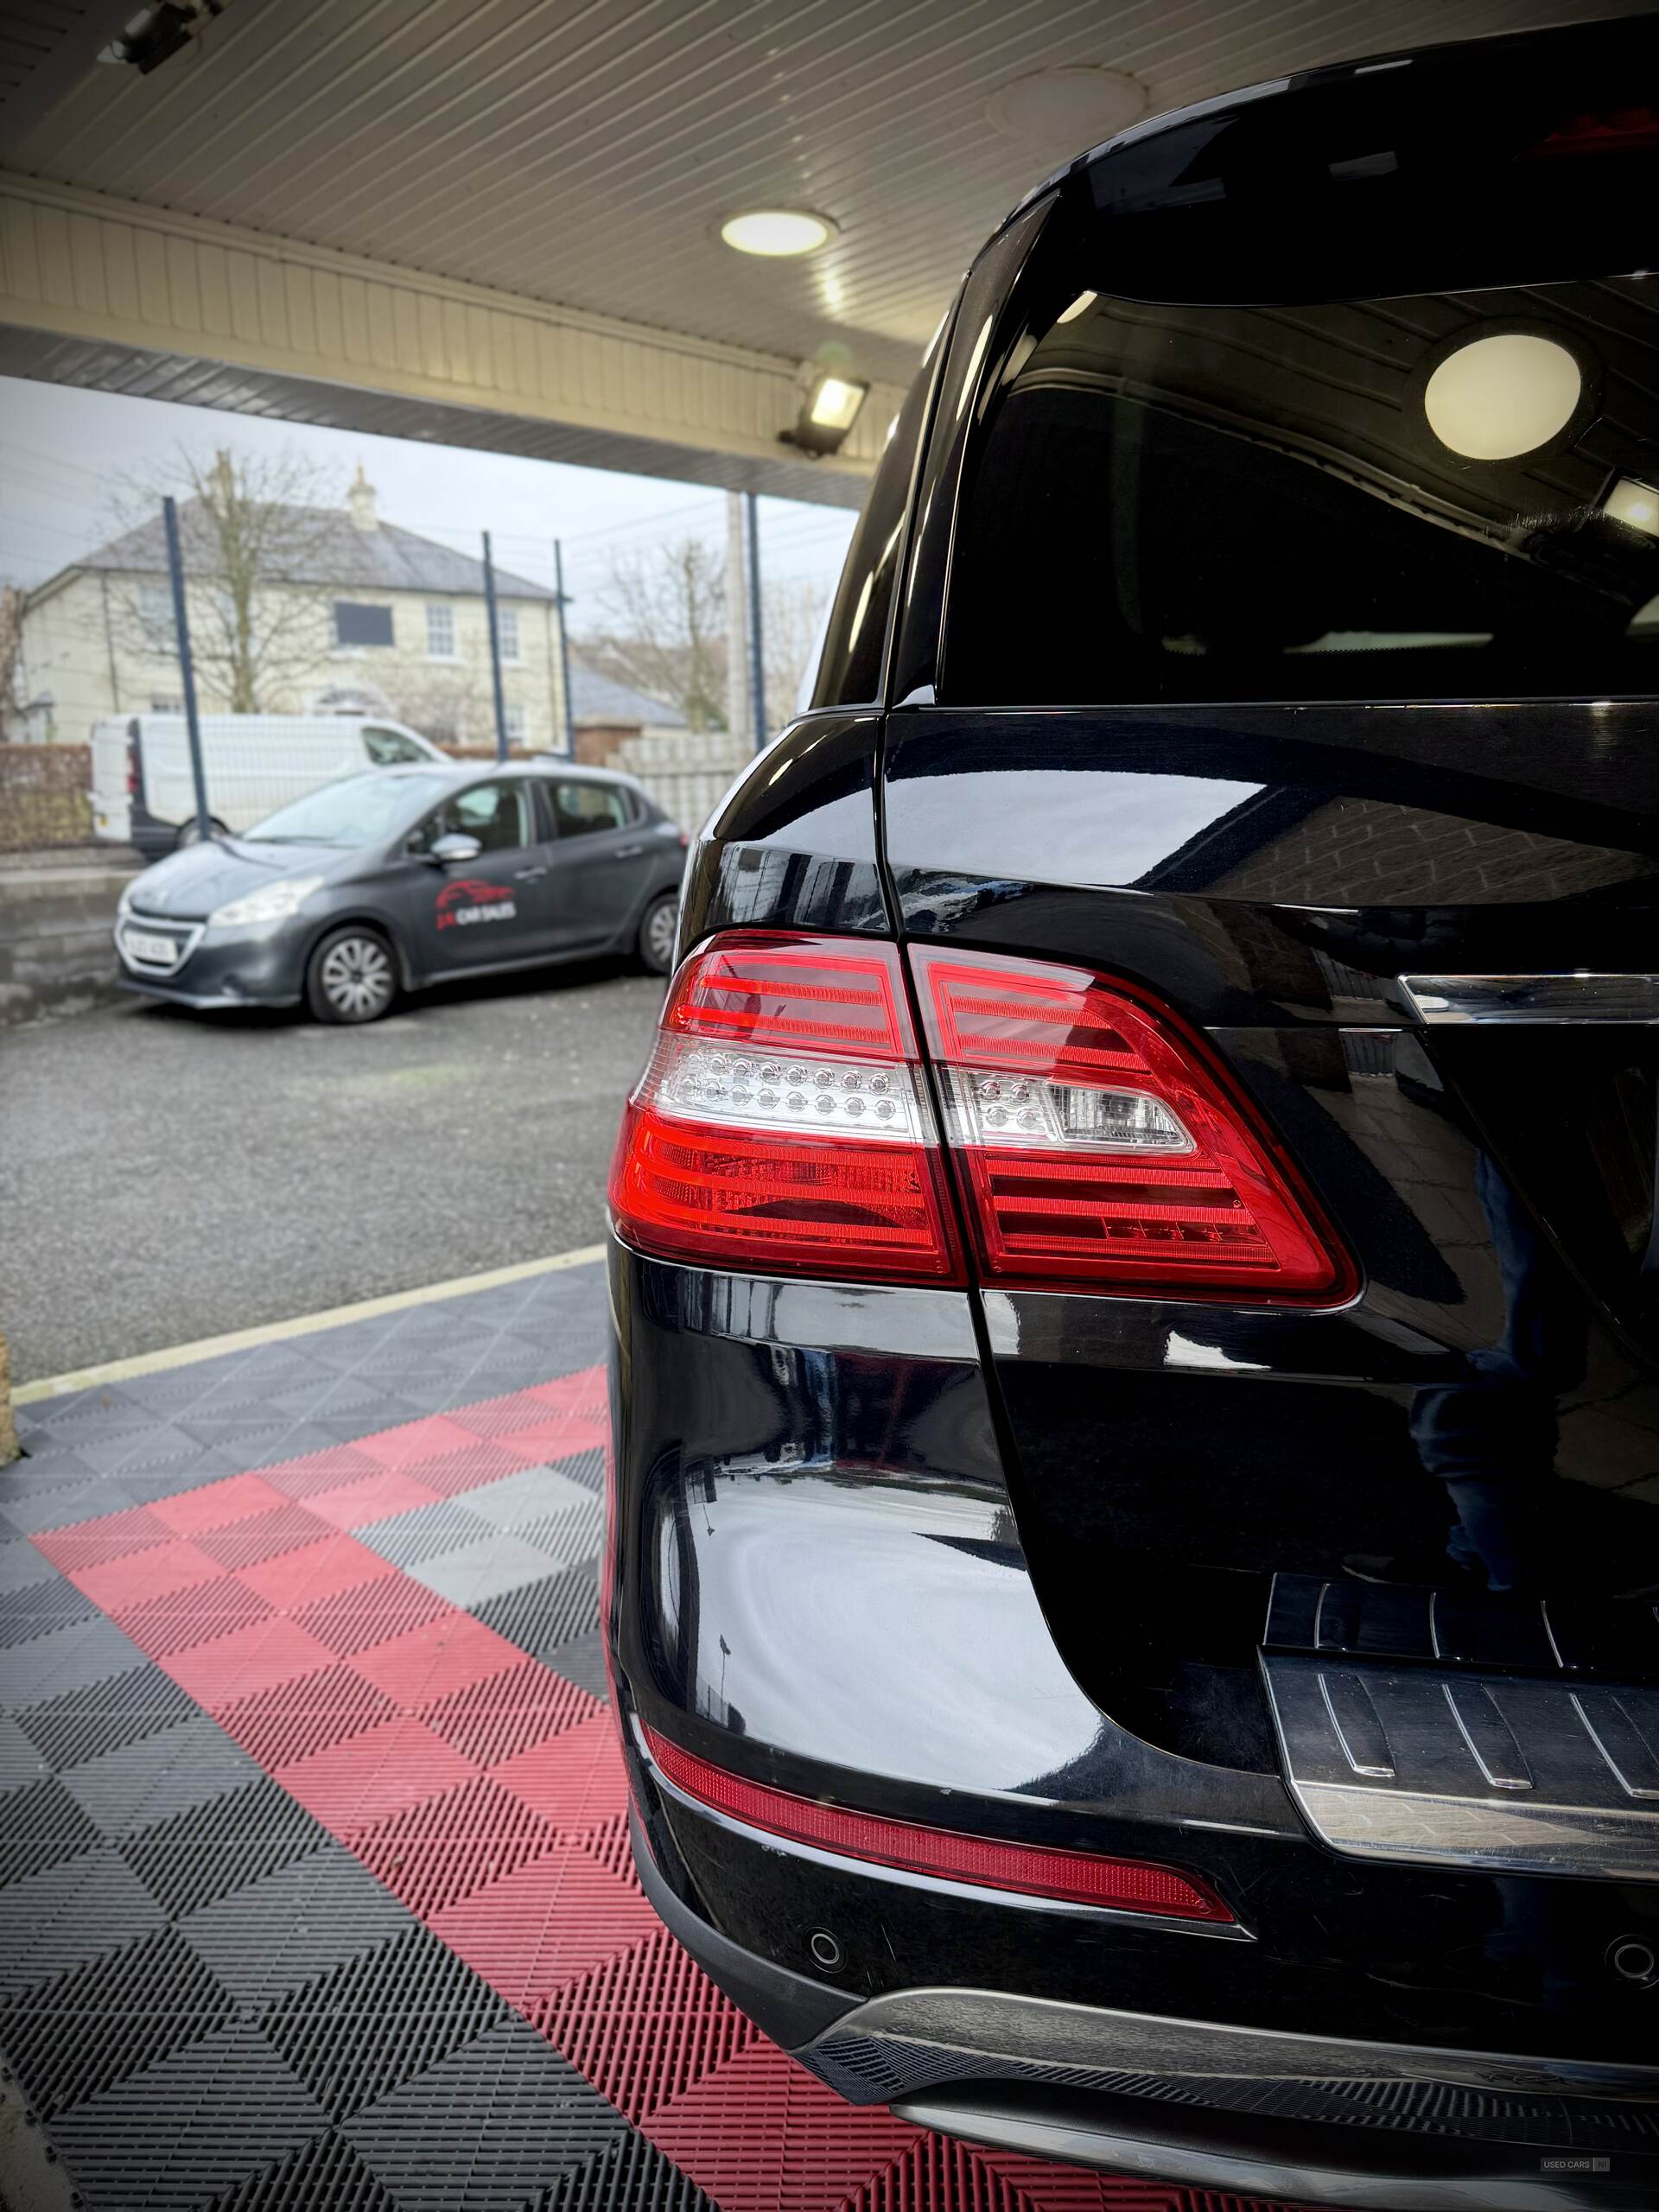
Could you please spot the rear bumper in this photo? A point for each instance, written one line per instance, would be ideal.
(1199, 2102)
(817, 1583)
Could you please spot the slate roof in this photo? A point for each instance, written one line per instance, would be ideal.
(596, 698)
(325, 547)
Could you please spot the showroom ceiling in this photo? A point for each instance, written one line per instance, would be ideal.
(584, 153)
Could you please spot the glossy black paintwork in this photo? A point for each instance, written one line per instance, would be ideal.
(1000, 1559)
(816, 1580)
(793, 846)
(1271, 873)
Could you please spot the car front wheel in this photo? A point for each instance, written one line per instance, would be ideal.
(351, 976)
(657, 931)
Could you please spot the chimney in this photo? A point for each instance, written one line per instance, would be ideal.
(360, 501)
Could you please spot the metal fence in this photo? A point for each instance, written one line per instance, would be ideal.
(45, 797)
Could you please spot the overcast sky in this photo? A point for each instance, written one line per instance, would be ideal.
(62, 452)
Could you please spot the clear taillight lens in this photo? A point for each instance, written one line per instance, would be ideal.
(1100, 1146)
(784, 1122)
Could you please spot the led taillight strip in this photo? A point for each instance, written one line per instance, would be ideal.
(786, 1122)
(947, 1854)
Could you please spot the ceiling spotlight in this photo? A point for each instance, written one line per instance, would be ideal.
(1501, 396)
(157, 32)
(1062, 110)
(776, 231)
(829, 411)
(1635, 504)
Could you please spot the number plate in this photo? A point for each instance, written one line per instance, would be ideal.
(156, 951)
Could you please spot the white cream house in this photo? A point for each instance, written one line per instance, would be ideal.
(374, 619)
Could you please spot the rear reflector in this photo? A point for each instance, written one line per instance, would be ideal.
(783, 1122)
(1069, 1877)
(1101, 1145)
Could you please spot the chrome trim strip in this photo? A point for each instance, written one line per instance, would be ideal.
(1579, 996)
(1507, 1772)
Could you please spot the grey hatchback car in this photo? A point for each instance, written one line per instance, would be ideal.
(402, 877)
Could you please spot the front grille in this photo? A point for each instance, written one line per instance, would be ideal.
(138, 924)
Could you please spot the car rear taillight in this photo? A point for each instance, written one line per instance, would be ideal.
(783, 1122)
(786, 1123)
(947, 1854)
(135, 784)
(1100, 1147)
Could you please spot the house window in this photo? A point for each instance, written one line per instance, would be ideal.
(514, 719)
(156, 618)
(440, 631)
(358, 625)
(506, 629)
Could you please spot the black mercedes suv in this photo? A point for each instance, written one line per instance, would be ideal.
(1132, 1589)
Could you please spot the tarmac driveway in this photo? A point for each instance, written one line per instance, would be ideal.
(167, 1176)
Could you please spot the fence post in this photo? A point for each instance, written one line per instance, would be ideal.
(564, 654)
(495, 652)
(187, 665)
(757, 642)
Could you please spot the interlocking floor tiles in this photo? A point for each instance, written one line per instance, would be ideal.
(315, 1886)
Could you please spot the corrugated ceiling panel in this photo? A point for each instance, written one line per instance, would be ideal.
(583, 151)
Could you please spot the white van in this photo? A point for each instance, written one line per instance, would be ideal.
(143, 793)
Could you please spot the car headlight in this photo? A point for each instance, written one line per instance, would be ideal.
(275, 903)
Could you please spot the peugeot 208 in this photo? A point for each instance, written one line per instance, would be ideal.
(1133, 1586)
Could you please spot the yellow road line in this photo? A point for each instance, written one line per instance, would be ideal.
(270, 1332)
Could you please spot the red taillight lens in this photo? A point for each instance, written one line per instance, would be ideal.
(1075, 1877)
(1611, 130)
(1102, 1149)
(783, 1123)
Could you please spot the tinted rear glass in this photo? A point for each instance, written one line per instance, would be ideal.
(1318, 502)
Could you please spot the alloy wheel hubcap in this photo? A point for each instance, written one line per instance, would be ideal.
(357, 976)
(659, 933)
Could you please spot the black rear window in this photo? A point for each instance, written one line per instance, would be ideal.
(1216, 503)
(1348, 392)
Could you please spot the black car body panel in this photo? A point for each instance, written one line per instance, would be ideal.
(1211, 669)
(551, 895)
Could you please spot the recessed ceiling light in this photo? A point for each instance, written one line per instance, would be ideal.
(1062, 110)
(1635, 504)
(1500, 396)
(776, 231)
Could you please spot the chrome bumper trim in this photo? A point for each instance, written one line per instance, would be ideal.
(1459, 1769)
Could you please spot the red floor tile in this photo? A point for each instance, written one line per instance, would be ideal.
(387, 1769)
(237, 1498)
(429, 1662)
(318, 1571)
(156, 1572)
(574, 1778)
(232, 1667)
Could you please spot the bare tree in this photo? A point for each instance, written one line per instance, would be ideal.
(252, 528)
(11, 651)
(663, 632)
(791, 611)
